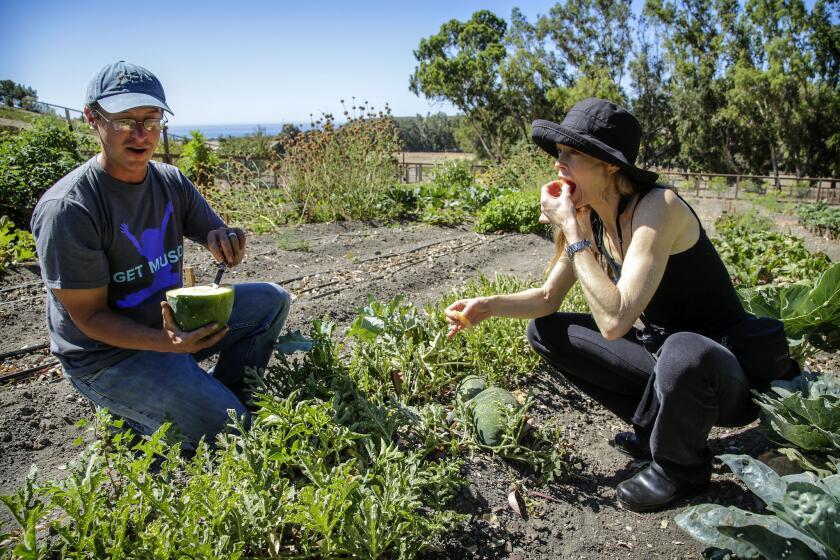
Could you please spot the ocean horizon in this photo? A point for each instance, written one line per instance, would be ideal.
(226, 130)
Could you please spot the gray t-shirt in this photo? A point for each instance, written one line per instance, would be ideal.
(92, 231)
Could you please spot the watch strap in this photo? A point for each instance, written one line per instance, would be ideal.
(577, 247)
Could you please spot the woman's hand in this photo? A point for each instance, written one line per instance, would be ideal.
(558, 207)
(466, 313)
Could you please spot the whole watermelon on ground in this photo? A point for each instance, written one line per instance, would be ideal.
(489, 408)
(198, 306)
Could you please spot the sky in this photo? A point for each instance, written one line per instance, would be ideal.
(239, 61)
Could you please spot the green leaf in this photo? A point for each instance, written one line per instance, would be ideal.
(293, 342)
(759, 478)
(815, 512)
(702, 522)
(822, 411)
(772, 537)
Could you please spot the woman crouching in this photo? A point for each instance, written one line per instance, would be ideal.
(661, 303)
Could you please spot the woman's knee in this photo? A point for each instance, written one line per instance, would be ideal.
(688, 358)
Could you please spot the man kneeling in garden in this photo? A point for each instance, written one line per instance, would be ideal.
(110, 240)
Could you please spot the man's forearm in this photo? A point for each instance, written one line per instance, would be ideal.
(122, 332)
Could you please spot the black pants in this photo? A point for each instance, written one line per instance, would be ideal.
(698, 384)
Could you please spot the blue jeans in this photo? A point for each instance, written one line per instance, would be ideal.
(150, 388)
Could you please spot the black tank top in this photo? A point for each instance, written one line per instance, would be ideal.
(695, 293)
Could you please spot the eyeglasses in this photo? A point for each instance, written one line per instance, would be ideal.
(127, 125)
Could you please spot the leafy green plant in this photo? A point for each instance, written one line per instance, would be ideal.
(454, 174)
(31, 162)
(800, 189)
(718, 185)
(525, 167)
(16, 245)
(804, 520)
(198, 161)
(290, 241)
(805, 413)
(297, 483)
(809, 309)
(543, 448)
(515, 212)
(437, 203)
(753, 186)
(755, 255)
(820, 218)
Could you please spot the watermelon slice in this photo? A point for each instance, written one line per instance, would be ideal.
(198, 306)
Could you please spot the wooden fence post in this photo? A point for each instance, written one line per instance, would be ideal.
(67, 118)
(737, 185)
(166, 157)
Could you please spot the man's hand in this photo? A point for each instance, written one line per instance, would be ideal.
(227, 245)
(189, 342)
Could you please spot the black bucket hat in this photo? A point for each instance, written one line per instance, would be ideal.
(600, 129)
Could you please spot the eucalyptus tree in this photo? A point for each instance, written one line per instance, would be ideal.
(462, 64)
(588, 46)
(693, 49)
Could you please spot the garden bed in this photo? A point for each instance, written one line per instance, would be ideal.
(331, 268)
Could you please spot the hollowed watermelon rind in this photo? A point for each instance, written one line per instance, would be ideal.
(198, 306)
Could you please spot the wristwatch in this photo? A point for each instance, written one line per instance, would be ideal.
(577, 247)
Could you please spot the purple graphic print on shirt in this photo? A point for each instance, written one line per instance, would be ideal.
(162, 267)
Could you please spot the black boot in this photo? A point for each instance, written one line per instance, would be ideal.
(651, 490)
(631, 444)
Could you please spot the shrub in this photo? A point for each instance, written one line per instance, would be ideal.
(256, 145)
(800, 189)
(754, 186)
(718, 185)
(437, 203)
(16, 245)
(517, 212)
(198, 161)
(525, 167)
(31, 162)
(454, 175)
(820, 218)
(341, 172)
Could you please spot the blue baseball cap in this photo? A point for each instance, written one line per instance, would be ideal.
(122, 86)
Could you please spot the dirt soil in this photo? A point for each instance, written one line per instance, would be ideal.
(330, 269)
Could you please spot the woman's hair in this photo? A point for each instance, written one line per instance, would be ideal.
(625, 186)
